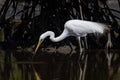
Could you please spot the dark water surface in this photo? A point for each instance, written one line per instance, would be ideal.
(92, 65)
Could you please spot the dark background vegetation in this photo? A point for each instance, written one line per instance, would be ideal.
(24, 20)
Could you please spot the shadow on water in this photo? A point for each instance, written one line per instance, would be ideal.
(92, 65)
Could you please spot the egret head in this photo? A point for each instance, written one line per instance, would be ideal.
(41, 39)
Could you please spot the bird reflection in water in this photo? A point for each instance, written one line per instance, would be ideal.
(96, 64)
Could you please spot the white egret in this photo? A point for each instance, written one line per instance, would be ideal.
(77, 28)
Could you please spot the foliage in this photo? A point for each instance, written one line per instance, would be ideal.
(24, 21)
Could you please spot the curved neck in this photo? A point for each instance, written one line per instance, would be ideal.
(56, 39)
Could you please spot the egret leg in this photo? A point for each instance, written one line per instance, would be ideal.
(86, 45)
(80, 45)
(109, 42)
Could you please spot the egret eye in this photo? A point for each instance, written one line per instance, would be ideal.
(41, 40)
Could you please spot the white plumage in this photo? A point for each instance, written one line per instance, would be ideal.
(81, 27)
(77, 28)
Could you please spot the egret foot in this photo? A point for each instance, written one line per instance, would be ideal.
(82, 50)
(109, 44)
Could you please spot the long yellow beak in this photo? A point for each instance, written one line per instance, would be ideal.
(39, 43)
